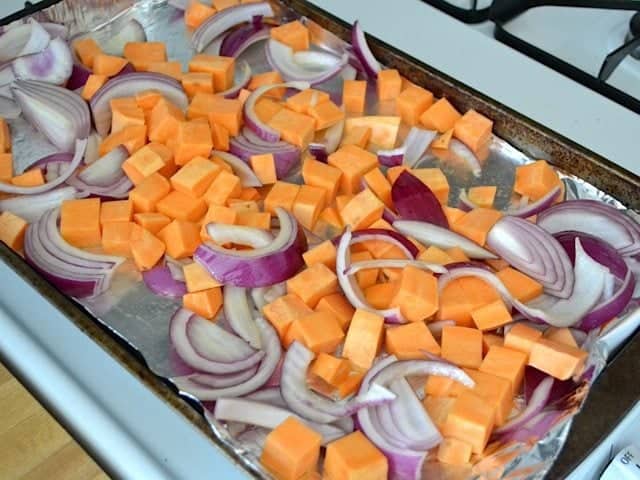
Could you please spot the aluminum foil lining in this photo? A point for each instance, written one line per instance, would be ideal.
(139, 317)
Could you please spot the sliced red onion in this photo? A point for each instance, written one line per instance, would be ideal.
(128, 85)
(268, 416)
(9, 109)
(60, 114)
(309, 404)
(183, 332)
(260, 267)
(389, 236)
(77, 159)
(93, 148)
(160, 282)
(24, 39)
(272, 351)
(74, 271)
(404, 462)
(536, 207)
(268, 395)
(534, 252)
(595, 218)
(392, 157)
(176, 268)
(413, 200)
(363, 52)
(537, 427)
(634, 267)
(252, 121)
(429, 234)
(464, 202)
(106, 169)
(281, 59)
(416, 143)
(120, 188)
(79, 76)
(245, 78)
(248, 178)
(55, 30)
(238, 313)
(52, 65)
(319, 151)
(537, 402)
(394, 263)
(218, 381)
(239, 40)
(222, 233)
(214, 343)
(285, 155)
(330, 142)
(263, 295)
(222, 21)
(406, 368)
(613, 303)
(460, 150)
(32, 207)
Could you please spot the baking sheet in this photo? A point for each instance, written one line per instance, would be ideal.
(141, 318)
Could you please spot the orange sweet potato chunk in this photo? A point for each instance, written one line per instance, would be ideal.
(308, 205)
(206, 303)
(146, 248)
(470, 420)
(195, 177)
(454, 452)
(364, 339)
(108, 65)
(293, 127)
(149, 192)
(141, 54)
(332, 370)
(320, 332)
(116, 238)
(132, 137)
(86, 49)
(282, 194)
(93, 84)
(197, 278)
(80, 222)
(362, 210)
(152, 221)
(180, 206)
(354, 457)
(164, 120)
(535, 180)
(410, 341)
(193, 139)
(196, 13)
(412, 102)
(474, 130)
(389, 84)
(440, 116)
(417, 295)
(313, 283)
(292, 34)
(462, 346)
(476, 224)
(324, 253)
(559, 360)
(12, 230)
(354, 95)
(302, 101)
(283, 311)
(116, 211)
(268, 78)
(181, 238)
(222, 69)
(339, 306)
(521, 286)
(506, 363)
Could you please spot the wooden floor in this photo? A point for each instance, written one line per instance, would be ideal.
(33, 446)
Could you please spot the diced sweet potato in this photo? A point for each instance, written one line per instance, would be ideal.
(292, 34)
(132, 137)
(313, 283)
(225, 186)
(362, 210)
(12, 230)
(321, 175)
(556, 359)
(93, 84)
(205, 303)
(30, 178)
(302, 101)
(389, 84)
(180, 206)
(293, 127)
(320, 332)
(116, 238)
(80, 222)
(470, 420)
(108, 65)
(264, 166)
(149, 192)
(283, 311)
(454, 452)
(197, 278)
(269, 78)
(222, 69)
(410, 341)
(412, 102)
(440, 116)
(141, 54)
(152, 221)
(354, 457)
(164, 120)
(476, 224)
(116, 211)
(522, 338)
(474, 130)
(357, 136)
(354, 94)
(325, 114)
(339, 306)
(195, 177)
(193, 139)
(354, 162)
(324, 253)
(535, 180)
(181, 238)
(506, 363)
(308, 204)
(436, 180)
(332, 370)
(86, 49)
(417, 295)
(384, 129)
(491, 315)
(364, 338)
(196, 13)
(561, 335)
(462, 346)
(146, 248)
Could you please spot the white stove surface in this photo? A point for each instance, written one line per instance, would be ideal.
(582, 37)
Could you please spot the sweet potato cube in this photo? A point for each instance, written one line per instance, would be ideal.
(561, 335)
(357, 136)
(362, 210)
(255, 219)
(389, 84)
(462, 346)
(141, 54)
(291, 450)
(454, 452)
(354, 95)
(180, 206)
(283, 311)
(435, 255)
(364, 338)
(410, 341)
(293, 127)
(325, 114)
(438, 386)
(86, 49)
(369, 276)
(412, 102)
(535, 180)
(443, 140)
(491, 316)
(521, 286)
(227, 112)
(6, 167)
(264, 166)
(268, 78)
(350, 385)
(440, 116)
(320, 332)
(324, 253)
(196, 82)
(196, 13)
(339, 306)
(435, 180)
(206, 303)
(380, 295)
(5, 136)
(193, 139)
(149, 192)
(556, 359)
(195, 177)
(12, 230)
(198, 278)
(483, 196)
(354, 162)
(302, 101)
(474, 130)
(80, 222)
(30, 178)
(224, 4)
(489, 340)
(219, 136)
(222, 69)
(496, 391)
(150, 159)
(438, 408)
(282, 194)
(170, 69)
(417, 294)
(354, 457)
(151, 221)
(164, 120)
(379, 185)
(266, 108)
(470, 420)
(321, 175)
(116, 238)
(506, 363)
(522, 338)
(92, 85)
(313, 283)
(476, 224)
(147, 99)
(330, 369)
(308, 204)
(331, 216)
(146, 248)
(181, 238)
(225, 186)
(453, 214)
(108, 65)
(292, 34)
(116, 211)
